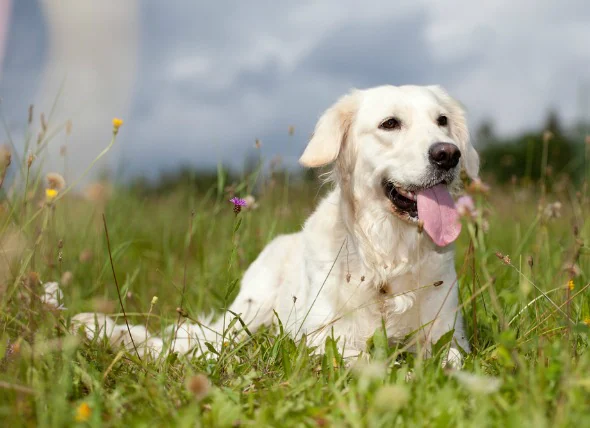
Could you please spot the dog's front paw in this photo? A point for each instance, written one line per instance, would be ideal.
(453, 359)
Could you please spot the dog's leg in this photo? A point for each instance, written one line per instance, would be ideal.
(440, 314)
(255, 303)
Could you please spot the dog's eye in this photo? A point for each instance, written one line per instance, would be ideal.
(391, 123)
(442, 120)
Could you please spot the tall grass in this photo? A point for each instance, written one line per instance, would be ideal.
(523, 263)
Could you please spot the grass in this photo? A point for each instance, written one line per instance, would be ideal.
(529, 365)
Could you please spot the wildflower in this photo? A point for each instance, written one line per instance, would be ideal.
(587, 321)
(552, 210)
(466, 207)
(50, 194)
(198, 385)
(117, 123)
(154, 300)
(570, 284)
(238, 204)
(55, 181)
(478, 186)
(83, 412)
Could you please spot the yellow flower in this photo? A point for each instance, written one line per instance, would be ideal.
(83, 412)
(587, 321)
(50, 194)
(154, 300)
(570, 284)
(117, 124)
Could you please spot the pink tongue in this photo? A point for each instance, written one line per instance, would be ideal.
(437, 210)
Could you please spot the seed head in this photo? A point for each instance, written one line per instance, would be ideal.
(547, 136)
(199, 386)
(505, 258)
(66, 278)
(30, 159)
(154, 300)
(55, 181)
(5, 156)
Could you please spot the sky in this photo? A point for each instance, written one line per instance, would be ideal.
(199, 82)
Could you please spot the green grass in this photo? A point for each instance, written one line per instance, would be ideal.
(266, 379)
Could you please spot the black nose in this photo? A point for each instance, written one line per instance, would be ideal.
(444, 155)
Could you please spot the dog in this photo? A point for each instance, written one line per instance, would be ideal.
(378, 249)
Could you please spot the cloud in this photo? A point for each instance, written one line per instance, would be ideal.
(212, 77)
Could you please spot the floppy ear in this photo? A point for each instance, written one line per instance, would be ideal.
(330, 132)
(459, 131)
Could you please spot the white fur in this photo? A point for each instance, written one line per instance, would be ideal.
(356, 265)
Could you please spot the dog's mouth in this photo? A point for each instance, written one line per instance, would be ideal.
(430, 207)
(404, 202)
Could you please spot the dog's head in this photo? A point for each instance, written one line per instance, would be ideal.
(404, 144)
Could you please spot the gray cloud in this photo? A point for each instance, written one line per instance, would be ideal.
(212, 77)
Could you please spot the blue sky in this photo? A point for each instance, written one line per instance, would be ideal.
(198, 82)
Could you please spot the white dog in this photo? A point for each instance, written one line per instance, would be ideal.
(378, 249)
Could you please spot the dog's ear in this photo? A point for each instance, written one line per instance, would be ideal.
(459, 131)
(330, 132)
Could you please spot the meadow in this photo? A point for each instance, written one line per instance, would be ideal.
(178, 253)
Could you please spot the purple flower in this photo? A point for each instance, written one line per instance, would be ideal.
(238, 204)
